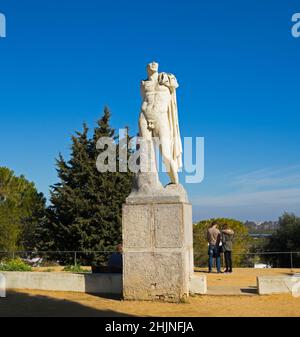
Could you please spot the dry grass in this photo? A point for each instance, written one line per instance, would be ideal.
(56, 269)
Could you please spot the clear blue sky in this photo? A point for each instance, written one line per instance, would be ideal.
(239, 72)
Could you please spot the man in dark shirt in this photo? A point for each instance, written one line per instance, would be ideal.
(227, 241)
(115, 263)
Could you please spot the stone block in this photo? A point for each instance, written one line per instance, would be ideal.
(154, 276)
(169, 226)
(138, 226)
(105, 283)
(157, 250)
(278, 285)
(198, 284)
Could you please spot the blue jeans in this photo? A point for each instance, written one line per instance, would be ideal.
(213, 252)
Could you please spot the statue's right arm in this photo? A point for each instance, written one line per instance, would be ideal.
(142, 89)
(143, 93)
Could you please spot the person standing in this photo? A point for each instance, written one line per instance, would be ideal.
(115, 260)
(227, 242)
(213, 239)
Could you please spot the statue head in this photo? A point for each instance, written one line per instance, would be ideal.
(152, 68)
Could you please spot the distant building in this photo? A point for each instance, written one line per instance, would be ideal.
(265, 227)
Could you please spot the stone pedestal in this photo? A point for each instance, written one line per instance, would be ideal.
(157, 247)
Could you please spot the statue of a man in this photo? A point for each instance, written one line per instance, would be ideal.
(159, 117)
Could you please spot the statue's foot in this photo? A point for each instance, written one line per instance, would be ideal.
(171, 183)
(176, 189)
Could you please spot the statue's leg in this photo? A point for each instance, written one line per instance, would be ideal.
(143, 127)
(167, 157)
(148, 154)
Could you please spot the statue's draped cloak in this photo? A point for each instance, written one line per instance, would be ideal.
(170, 81)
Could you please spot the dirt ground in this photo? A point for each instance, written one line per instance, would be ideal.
(46, 303)
(243, 277)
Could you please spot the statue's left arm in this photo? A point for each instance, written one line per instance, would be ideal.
(174, 84)
(169, 80)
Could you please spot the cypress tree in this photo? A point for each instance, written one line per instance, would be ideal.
(86, 205)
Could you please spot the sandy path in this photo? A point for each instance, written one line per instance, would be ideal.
(243, 277)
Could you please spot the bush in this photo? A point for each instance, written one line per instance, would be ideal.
(285, 239)
(75, 269)
(14, 265)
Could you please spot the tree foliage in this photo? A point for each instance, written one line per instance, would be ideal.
(285, 239)
(86, 205)
(22, 210)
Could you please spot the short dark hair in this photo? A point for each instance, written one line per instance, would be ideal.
(214, 223)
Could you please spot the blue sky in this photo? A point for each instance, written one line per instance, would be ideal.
(236, 62)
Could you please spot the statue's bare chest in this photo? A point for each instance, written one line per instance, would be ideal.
(153, 87)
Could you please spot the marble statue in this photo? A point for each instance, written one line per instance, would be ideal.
(159, 118)
(157, 227)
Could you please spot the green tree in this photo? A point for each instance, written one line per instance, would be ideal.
(241, 241)
(285, 239)
(86, 205)
(22, 210)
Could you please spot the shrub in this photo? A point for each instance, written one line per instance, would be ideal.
(16, 264)
(75, 269)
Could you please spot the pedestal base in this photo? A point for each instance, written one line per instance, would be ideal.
(157, 249)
